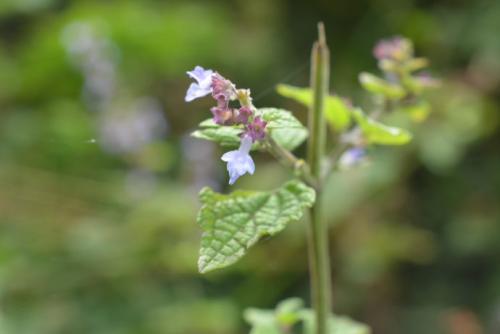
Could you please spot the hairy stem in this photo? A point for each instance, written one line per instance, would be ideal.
(318, 231)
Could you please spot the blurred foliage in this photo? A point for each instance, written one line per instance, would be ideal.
(96, 240)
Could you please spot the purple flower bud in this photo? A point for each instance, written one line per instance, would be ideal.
(239, 162)
(203, 85)
(256, 129)
(244, 114)
(223, 115)
(221, 87)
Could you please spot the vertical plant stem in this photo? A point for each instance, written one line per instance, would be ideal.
(318, 231)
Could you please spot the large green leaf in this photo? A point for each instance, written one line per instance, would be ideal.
(233, 223)
(337, 111)
(377, 85)
(271, 321)
(285, 129)
(378, 133)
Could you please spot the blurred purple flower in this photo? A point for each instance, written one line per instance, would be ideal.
(239, 162)
(391, 48)
(352, 157)
(202, 86)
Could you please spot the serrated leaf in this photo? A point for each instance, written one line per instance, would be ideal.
(377, 85)
(337, 112)
(233, 223)
(378, 133)
(337, 324)
(285, 129)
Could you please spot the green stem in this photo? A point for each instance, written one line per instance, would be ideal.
(288, 159)
(318, 230)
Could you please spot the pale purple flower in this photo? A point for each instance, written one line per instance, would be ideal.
(202, 86)
(352, 157)
(239, 162)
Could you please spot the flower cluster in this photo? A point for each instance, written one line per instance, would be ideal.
(223, 91)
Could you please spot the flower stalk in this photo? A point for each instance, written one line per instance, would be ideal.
(318, 231)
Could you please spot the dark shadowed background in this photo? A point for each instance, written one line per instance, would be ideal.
(99, 176)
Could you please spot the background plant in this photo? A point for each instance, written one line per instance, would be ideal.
(233, 223)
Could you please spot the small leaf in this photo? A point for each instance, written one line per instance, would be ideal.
(337, 112)
(299, 94)
(268, 321)
(233, 223)
(283, 126)
(378, 133)
(262, 321)
(287, 311)
(224, 135)
(285, 129)
(377, 85)
(337, 324)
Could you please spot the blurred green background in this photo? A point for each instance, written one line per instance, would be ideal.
(99, 177)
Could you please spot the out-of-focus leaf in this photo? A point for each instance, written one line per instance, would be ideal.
(271, 321)
(376, 85)
(337, 324)
(418, 111)
(299, 94)
(233, 223)
(287, 311)
(378, 133)
(337, 112)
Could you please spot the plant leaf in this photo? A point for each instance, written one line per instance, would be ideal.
(377, 85)
(285, 129)
(337, 112)
(337, 324)
(418, 111)
(224, 135)
(233, 223)
(378, 133)
(270, 321)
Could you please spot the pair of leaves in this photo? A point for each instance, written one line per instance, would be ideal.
(233, 223)
(285, 129)
(337, 111)
(290, 312)
(378, 133)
